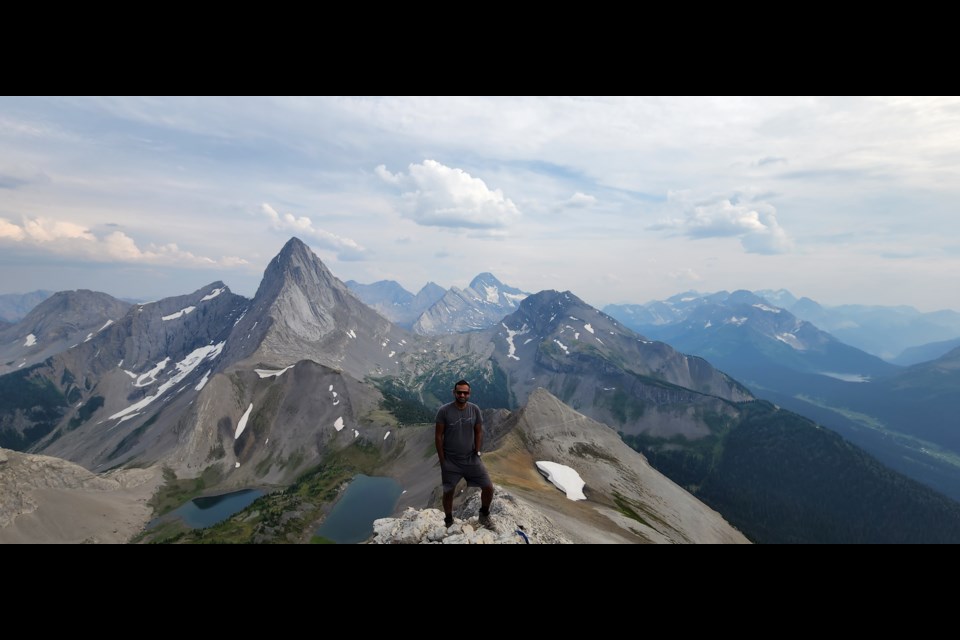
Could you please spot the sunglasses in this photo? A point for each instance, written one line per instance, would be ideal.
(462, 393)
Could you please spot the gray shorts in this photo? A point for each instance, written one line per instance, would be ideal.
(472, 469)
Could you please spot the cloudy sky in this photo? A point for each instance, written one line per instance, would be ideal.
(844, 200)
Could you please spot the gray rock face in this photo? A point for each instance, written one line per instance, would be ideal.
(126, 373)
(302, 311)
(63, 320)
(49, 500)
(483, 304)
(620, 483)
(598, 366)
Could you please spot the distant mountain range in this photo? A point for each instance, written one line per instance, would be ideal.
(902, 416)
(881, 331)
(15, 306)
(434, 311)
(306, 384)
(396, 303)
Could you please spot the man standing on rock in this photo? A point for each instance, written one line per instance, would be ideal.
(459, 439)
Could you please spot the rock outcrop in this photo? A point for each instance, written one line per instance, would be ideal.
(49, 500)
(511, 522)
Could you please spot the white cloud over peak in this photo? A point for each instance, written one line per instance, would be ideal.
(345, 248)
(864, 187)
(436, 195)
(754, 223)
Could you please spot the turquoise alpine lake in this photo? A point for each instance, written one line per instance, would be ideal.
(364, 500)
(209, 510)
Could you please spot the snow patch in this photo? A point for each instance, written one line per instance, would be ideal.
(385, 435)
(493, 295)
(352, 334)
(88, 338)
(338, 425)
(203, 382)
(150, 377)
(107, 324)
(735, 321)
(243, 423)
(179, 314)
(266, 373)
(213, 294)
(512, 348)
(846, 377)
(764, 307)
(30, 341)
(356, 434)
(565, 478)
(184, 368)
(791, 340)
(589, 327)
(562, 346)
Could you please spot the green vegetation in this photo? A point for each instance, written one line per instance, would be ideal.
(175, 491)
(417, 401)
(489, 384)
(286, 516)
(780, 478)
(629, 508)
(401, 402)
(87, 410)
(27, 398)
(585, 450)
(623, 406)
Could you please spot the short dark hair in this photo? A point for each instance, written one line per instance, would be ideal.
(461, 382)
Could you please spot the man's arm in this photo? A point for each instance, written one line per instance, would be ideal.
(478, 436)
(438, 439)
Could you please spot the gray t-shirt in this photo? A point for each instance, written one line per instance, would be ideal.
(458, 438)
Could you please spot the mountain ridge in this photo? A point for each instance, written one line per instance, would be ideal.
(241, 392)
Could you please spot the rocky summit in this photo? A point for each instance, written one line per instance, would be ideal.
(511, 522)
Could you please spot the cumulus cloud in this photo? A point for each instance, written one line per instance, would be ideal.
(579, 201)
(345, 248)
(75, 241)
(754, 222)
(436, 195)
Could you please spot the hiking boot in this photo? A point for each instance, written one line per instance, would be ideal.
(483, 519)
(448, 521)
